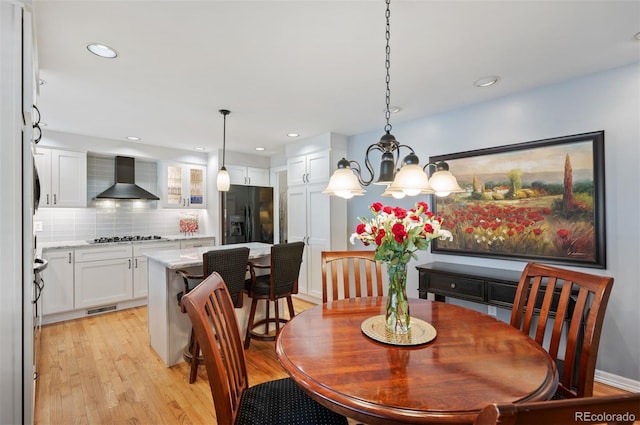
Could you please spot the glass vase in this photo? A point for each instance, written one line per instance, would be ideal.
(397, 319)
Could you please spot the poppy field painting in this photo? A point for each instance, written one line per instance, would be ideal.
(536, 201)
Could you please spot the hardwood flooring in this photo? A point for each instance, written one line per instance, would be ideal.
(101, 370)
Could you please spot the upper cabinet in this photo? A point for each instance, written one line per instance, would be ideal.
(63, 177)
(248, 176)
(183, 185)
(310, 168)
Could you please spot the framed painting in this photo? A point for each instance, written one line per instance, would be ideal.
(535, 201)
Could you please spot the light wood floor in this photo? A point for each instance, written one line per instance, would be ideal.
(101, 370)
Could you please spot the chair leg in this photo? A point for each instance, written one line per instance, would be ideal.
(276, 315)
(266, 322)
(252, 315)
(195, 353)
(291, 310)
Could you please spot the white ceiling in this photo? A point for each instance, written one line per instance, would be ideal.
(305, 66)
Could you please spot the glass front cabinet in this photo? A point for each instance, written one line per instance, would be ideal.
(184, 185)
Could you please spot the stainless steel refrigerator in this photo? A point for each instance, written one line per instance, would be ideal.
(247, 214)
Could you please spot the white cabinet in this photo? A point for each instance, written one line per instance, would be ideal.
(140, 270)
(317, 219)
(248, 176)
(57, 294)
(63, 177)
(103, 275)
(183, 185)
(310, 168)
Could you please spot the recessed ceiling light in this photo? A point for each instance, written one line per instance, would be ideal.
(292, 135)
(393, 109)
(200, 148)
(134, 138)
(637, 36)
(260, 149)
(102, 50)
(486, 81)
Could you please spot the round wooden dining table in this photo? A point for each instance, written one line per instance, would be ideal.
(474, 360)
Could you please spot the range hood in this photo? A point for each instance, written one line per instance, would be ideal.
(125, 186)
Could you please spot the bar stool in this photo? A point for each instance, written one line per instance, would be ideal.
(281, 282)
(231, 264)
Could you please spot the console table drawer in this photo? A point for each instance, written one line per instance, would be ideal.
(457, 286)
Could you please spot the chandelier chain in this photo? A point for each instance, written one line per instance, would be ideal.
(387, 64)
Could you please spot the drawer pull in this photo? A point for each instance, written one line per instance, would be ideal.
(453, 285)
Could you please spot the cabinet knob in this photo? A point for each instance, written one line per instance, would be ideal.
(453, 285)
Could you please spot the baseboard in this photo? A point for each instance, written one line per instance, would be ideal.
(617, 381)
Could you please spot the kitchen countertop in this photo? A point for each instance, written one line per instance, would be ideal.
(45, 246)
(181, 258)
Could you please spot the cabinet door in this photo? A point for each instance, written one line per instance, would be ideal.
(140, 277)
(173, 186)
(57, 294)
(318, 167)
(297, 226)
(63, 177)
(258, 176)
(196, 186)
(297, 170)
(42, 160)
(69, 178)
(197, 242)
(318, 240)
(103, 282)
(237, 174)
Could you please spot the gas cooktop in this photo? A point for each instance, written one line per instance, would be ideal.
(128, 238)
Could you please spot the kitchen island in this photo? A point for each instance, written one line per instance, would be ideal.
(169, 328)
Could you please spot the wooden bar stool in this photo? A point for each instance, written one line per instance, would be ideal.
(281, 282)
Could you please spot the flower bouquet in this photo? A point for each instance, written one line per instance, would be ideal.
(398, 233)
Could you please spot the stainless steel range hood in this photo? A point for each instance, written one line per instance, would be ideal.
(125, 186)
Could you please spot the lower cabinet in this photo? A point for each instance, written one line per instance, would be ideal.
(103, 275)
(140, 269)
(57, 293)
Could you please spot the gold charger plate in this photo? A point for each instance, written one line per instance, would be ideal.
(420, 332)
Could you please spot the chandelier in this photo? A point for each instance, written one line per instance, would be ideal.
(409, 179)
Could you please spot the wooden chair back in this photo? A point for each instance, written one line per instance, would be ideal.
(349, 274)
(614, 409)
(214, 322)
(572, 304)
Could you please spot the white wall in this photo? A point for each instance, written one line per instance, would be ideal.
(609, 101)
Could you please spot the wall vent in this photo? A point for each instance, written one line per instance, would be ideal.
(101, 310)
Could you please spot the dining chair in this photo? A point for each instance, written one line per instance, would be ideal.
(281, 401)
(350, 273)
(281, 282)
(564, 305)
(612, 409)
(231, 264)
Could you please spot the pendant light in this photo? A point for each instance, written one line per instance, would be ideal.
(223, 181)
(409, 179)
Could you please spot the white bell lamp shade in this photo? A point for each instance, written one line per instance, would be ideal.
(412, 180)
(223, 181)
(344, 183)
(444, 183)
(395, 193)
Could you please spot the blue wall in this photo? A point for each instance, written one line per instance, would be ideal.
(608, 101)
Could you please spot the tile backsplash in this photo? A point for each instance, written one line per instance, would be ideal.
(109, 217)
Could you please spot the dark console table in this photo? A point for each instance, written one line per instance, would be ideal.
(472, 283)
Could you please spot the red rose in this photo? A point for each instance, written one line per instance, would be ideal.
(380, 236)
(400, 212)
(537, 231)
(468, 230)
(563, 233)
(376, 206)
(424, 205)
(387, 209)
(398, 232)
(361, 228)
(428, 228)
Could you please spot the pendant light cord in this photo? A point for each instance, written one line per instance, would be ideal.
(224, 113)
(387, 64)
